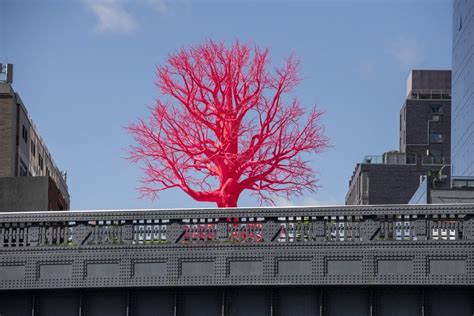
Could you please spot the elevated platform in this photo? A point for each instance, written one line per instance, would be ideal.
(417, 249)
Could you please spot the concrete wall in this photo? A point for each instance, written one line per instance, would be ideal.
(430, 80)
(23, 194)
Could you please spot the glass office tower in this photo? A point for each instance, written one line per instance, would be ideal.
(462, 142)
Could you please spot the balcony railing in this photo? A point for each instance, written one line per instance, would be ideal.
(373, 159)
(403, 159)
(430, 94)
(297, 225)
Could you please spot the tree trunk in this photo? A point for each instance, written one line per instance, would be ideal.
(228, 200)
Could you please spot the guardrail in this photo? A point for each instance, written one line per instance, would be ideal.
(262, 225)
(397, 244)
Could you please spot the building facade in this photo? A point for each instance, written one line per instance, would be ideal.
(425, 117)
(387, 181)
(24, 157)
(463, 91)
(425, 133)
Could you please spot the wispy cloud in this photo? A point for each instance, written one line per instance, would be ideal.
(305, 201)
(405, 50)
(112, 16)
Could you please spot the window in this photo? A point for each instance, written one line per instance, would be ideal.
(411, 158)
(425, 96)
(24, 134)
(23, 169)
(435, 155)
(33, 148)
(40, 162)
(436, 118)
(436, 137)
(436, 96)
(365, 185)
(436, 109)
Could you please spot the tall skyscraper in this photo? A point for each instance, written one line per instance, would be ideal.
(462, 143)
(29, 178)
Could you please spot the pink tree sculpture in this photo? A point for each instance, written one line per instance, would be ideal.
(225, 125)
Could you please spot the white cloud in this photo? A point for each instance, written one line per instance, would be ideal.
(405, 50)
(281, 201)
(305, 201)
(167, 7)
(112, 17)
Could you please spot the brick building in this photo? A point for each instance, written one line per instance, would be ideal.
(425, 133)
(29, 178)
(425, 117)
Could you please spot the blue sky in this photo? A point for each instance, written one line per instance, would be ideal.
(85, 69)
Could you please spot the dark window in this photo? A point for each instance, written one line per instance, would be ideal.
(436, 109)
(436, 155)
(401, 121)
(436, 137)
(425, 96)
(41, 162)
(33, 148)
(411, 158)
(23, 169)
(24, 134)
